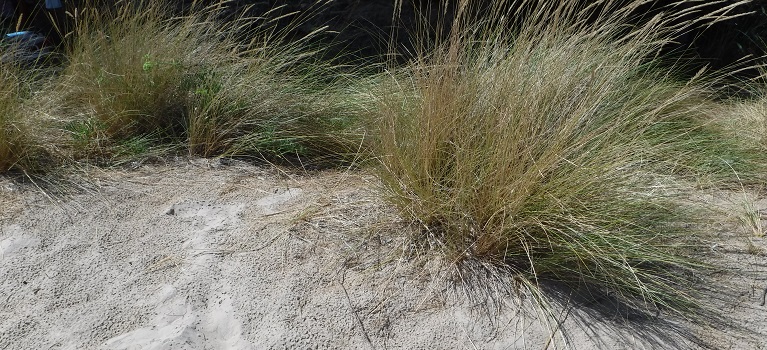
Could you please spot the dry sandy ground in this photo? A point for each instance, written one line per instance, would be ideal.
(199, 255)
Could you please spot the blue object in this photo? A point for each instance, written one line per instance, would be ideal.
(53, 4)
(26, 39)
(18, 34)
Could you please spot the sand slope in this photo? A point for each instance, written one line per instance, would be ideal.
(198, 255)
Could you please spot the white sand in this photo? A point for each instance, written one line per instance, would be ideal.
(201, 256)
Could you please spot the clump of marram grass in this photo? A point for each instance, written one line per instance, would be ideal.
(21, 147)
(745, 118)
(743, 121)
(13, 134)
(260, 111)
(139, 77)
(277, 102)
(548, 149)
(130, 70)
(747, 121)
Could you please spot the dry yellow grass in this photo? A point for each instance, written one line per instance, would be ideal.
(544, 150)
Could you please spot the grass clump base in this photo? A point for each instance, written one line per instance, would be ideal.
(548, 151)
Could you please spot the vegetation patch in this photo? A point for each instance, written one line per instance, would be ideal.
(550, 141)
(553, 151)
(22, 128)
(138, 78)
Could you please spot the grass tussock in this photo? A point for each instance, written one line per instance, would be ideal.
(546, 138)
(743, 122)
(130, 70)
(138, 77)
(13, 135)
(549, 150)
(748, 122)
(21, 135)
(745, 119)
(271, 106)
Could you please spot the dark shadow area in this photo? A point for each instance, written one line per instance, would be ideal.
(364, 28)
(615, 317)
(369, 31)
(598, 314)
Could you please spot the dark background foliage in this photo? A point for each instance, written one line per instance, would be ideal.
(364, 30)
(361, 29)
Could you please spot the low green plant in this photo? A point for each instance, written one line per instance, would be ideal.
(549, 149)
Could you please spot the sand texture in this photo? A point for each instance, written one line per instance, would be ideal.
(199, 255)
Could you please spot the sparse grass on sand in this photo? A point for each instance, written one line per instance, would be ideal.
(552, 150)
(548, 146)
